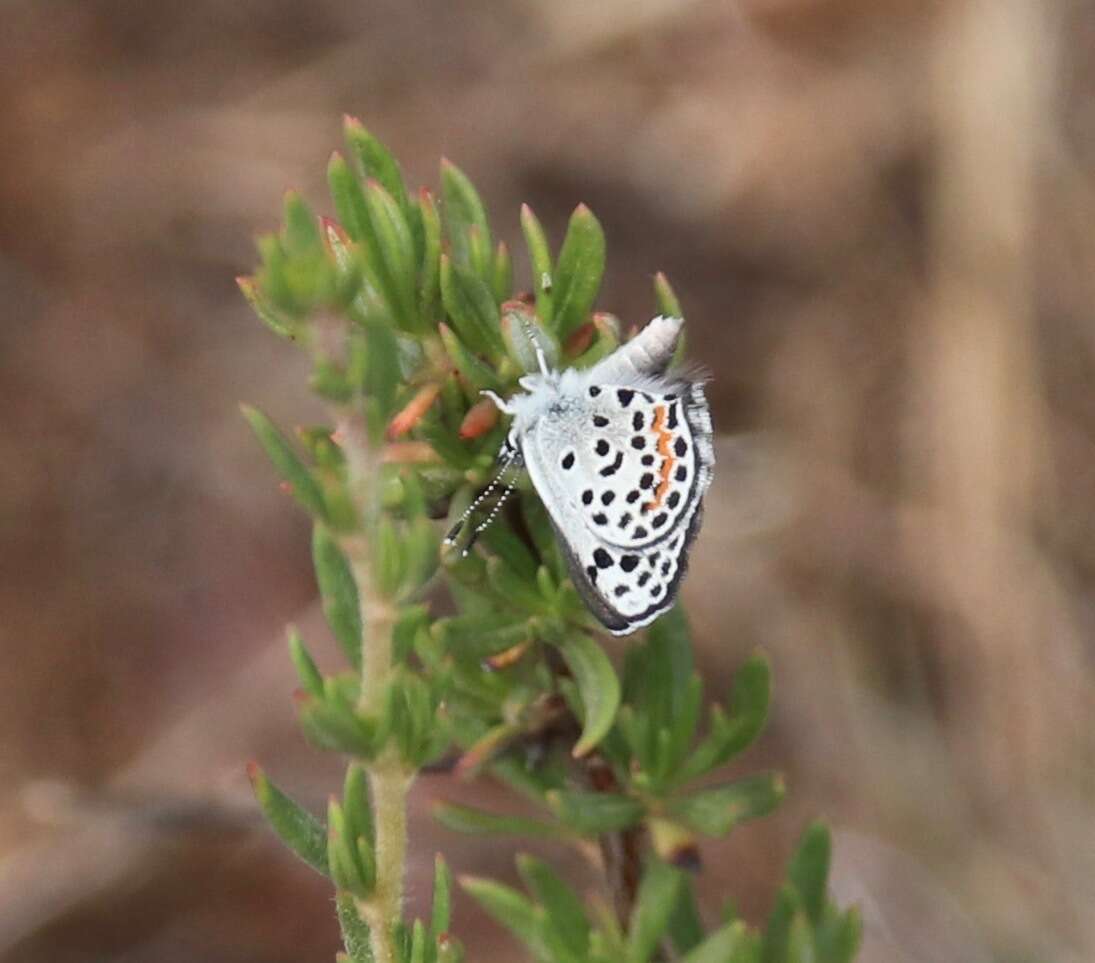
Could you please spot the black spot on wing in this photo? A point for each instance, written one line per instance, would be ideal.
(624, 395)
(610, 470)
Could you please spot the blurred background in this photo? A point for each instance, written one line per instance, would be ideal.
(879, 217)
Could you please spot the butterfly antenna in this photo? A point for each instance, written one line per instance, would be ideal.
(508, 490)
(454, 532)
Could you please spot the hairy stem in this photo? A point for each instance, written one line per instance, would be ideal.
(389, 778)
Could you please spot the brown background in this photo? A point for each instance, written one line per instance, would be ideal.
(879, 215)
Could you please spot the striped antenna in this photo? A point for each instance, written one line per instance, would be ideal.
(509, 460)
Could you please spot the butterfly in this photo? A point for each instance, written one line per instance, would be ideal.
(621, 455)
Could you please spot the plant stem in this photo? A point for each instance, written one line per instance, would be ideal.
(389, 778)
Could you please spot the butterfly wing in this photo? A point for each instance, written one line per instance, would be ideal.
(622, 472)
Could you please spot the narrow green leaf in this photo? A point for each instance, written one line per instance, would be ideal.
(277, 322)
(356, 803)
(592, 813)
(374, 160)
(809, 870)
(597, 684)
(429, 270)
(717, 810)
(391, 249)
(388, 557)
(515, 590)
(310, 677)
(502, 273)
(565, 915)
(507, 907)
(338, 592)
(668, 304)
(418, 943)
(838, 938)
(441, 917)
(523, 333)
(504, 542)
(349, 198)
(355, 932)
(477, 822)
(472, 308)
(685, 926)
(579, 271)
(478, 375)
(301, 232)
(539, 253)
(728, 944)
(728, 736)
(342, 854)
(654, 904)
(462, 209)
(800, 947)
(777, 933)
(305, 488)
(296, 827)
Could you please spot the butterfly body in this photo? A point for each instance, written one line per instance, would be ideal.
(621, 456)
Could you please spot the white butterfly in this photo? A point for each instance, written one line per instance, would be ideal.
(621, 456)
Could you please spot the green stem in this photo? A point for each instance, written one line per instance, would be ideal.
(389, 779)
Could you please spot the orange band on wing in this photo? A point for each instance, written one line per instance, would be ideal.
(664, 438)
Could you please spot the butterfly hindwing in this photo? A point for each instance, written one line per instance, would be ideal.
(622, 471)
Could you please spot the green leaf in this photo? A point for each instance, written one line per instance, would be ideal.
(418, 943)
(390, 248)
(685, 927)
(777, 934)
(654, 904)
(838, 937)
(579, 271)
(597, 684)
(809, 870)
(668, 304)
(277, 322)
(511, 587)
(502, 273)
(507, 907)
(300, 235)
(565, 916)
(593, 813)
(441, 917)
(338, 592)
(539, 254)
(523, 333)
(472, 308)
(309, 675)
(355, 932)
(429, 271)
(343, 857)
(717, 810)
(477, 822)
(304, 487)
(474, 371)
(504, 542)
(728, 736)
(374, 160)
(388, 557)
(296, 827)
(462, 210)
(334, 727)
(356, 803)
(728, 944)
